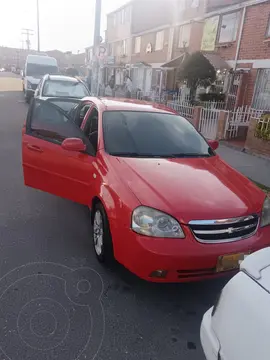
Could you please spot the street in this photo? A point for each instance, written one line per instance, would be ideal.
(42, 240)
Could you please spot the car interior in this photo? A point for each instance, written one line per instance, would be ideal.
(91, 128)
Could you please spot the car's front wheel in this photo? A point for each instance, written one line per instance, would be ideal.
(101, 235)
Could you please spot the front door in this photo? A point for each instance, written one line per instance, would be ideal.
(49, 167)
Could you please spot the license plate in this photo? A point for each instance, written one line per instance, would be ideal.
(230, 262)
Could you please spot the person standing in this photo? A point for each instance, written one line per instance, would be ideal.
(128, 87)
(72, 71)
(89, 79)
(112, 84)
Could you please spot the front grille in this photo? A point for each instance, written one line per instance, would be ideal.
(225, 230)
(33, 86)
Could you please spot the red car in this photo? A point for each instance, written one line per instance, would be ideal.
(163, 202)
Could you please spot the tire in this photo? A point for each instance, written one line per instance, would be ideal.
(101, 235)
(27, 98)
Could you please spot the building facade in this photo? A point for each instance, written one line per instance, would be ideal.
(149, 42)
(238, 31)
(118, 43)
(142, 37)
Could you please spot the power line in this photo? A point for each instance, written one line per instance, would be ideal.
(28, 33)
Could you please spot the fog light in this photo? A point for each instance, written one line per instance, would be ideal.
(161, 274)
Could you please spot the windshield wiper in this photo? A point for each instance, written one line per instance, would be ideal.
(135, 154)
(149, 155)
(189, 155)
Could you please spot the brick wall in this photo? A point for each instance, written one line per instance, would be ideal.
(115, 29)
(213, 5)
(254, 144)
(149, 14)
(194, 42)
(159, 56)
(252, 44)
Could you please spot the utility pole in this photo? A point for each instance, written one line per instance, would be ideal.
(27, 33)
(38, 37)
(95, 73)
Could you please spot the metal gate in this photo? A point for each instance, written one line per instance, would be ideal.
(239, 118)
(208, 125)
(234, 82)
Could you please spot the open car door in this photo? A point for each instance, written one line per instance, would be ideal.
(56, 155)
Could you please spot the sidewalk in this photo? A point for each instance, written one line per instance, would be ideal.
(254, 167)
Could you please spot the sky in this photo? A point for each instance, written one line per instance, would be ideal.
(66, 25)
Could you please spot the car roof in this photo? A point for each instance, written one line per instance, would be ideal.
(113, 104)
(62, 78)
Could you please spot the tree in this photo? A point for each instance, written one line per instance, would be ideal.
(196, 70)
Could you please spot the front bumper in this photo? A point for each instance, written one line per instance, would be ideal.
(184, 260)
(209, 341)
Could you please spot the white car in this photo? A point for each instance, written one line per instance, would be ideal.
(61, 86)
(237, 327)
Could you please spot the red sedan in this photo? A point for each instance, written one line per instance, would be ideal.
(163, 203)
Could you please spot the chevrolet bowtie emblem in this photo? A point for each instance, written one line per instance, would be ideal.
(231, 230)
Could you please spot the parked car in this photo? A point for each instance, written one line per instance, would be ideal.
(238, 325)
(53, 88)
(162, 202)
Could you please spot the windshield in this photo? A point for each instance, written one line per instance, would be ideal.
(40, 69)
(65, 89)
(145, 134)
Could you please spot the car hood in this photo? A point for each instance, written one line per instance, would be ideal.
(190, 189)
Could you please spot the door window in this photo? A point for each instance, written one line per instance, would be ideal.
(91, 128)
(49, 122)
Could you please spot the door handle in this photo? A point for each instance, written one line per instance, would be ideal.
(34, 148)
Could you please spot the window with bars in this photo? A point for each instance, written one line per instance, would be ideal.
(267, 33)
(122, 16)
(229, 27)
(261, 97)
(159, 40)
(184, 36)
(137, 45)
(124, 47)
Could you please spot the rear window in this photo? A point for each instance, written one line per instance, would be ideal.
(61, 88)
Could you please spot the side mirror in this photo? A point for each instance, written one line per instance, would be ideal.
(214, 144)
(73, 144)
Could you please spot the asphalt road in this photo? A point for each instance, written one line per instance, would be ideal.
(45, 310)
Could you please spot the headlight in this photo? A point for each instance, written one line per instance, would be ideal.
(266, 212)
(151, 222)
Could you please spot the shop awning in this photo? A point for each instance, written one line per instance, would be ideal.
(176, 62)
(217, 61)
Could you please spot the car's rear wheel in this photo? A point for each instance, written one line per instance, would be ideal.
(101, 235)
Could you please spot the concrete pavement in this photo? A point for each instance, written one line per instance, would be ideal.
(252, 166)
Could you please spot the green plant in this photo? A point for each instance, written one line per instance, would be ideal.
(262, 129)
(196, 69)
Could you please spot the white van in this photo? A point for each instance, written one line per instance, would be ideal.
(36, 67)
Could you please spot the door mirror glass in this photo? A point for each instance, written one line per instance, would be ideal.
(214, 144)
(73, 144)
